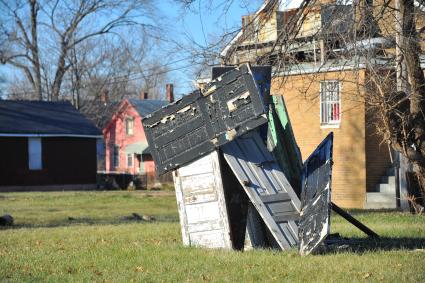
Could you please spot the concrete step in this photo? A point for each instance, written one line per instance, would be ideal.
(386, 189)
(380, 198)
(388, 180)
(380, 205)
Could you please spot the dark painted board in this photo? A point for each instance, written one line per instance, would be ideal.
(262, 76)
(314, 225)
(266, 186)
(198, 123)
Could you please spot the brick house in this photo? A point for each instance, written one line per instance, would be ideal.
(46, 146)
(324, 90)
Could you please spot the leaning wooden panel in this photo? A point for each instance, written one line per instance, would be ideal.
(266, 186)
(200, 122)
(201, 203)
(314, 225)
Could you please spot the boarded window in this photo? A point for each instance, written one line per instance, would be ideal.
(116, 156)
(129, 124)
(129, 160)
(330, 103)
(34, 154)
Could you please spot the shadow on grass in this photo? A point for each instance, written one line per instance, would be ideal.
(364, 245)
(86, 221)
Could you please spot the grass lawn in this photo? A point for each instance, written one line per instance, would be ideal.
(99, 244)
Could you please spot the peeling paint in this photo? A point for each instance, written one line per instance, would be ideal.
(200, 122)
(316, 197)
(231, 104)
(231, 134)
(209, 91)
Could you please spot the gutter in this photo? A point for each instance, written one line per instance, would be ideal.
(51, 135)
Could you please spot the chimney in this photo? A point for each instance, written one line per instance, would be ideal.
(143, 95)
(170, 92)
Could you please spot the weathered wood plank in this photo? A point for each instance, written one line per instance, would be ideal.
(276, 197)
(201, 203)
(200, 122)
(261, 177)
(314, 225)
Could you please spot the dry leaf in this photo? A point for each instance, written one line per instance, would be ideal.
(367, 275)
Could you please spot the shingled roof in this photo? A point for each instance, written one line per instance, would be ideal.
(99, 112)
(147, 106)
(43, 118)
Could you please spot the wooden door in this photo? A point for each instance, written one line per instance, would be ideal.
(201, 203)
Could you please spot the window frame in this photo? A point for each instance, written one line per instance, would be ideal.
(330, 123)
(35, 154)
(116, 156)
(127, 128)
(130, 155)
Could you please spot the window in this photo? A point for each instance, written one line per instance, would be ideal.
(130, 160)
(330, 103)
(34, 154)
(116, 156)
(129, 124)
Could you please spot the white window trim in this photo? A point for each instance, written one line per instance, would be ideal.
(132, 128)
(35, 156)
(132, 160)
(335, 125)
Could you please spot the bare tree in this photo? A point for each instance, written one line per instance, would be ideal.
(63, 26)
(355, 32)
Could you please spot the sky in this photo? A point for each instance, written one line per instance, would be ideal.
(201, 25)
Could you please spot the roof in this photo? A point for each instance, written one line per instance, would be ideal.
(43, 118)
(146, 106)
(99, 112)
(226, 49)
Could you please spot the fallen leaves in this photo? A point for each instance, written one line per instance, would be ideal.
(367, 275)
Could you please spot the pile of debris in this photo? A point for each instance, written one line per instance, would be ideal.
(239, 178)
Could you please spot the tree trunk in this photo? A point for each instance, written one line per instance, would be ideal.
(410, 49)
(34, 50)
(60, 72)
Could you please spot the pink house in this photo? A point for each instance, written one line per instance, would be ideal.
(126, 148)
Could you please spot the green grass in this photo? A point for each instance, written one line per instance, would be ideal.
(48, 209)
(102, 247)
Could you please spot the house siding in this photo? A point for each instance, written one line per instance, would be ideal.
(65, 161)
(115, 134)
(301, 93)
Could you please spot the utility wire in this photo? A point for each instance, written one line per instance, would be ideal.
(112, 80)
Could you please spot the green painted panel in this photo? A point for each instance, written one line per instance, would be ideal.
(283, 143)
